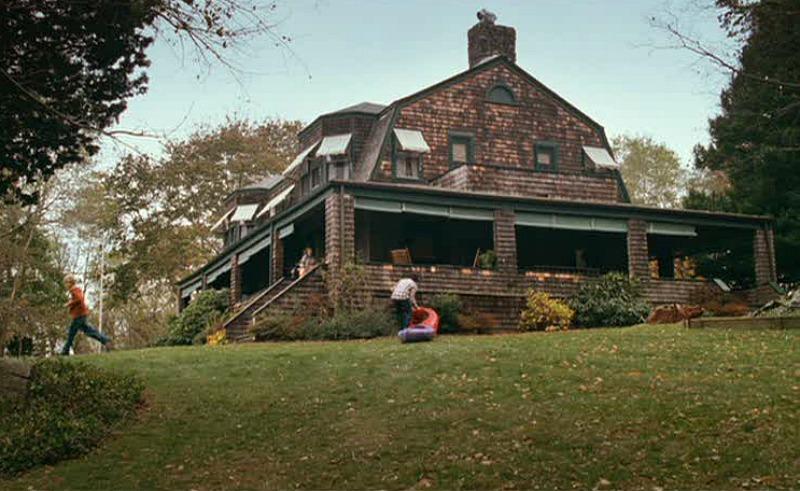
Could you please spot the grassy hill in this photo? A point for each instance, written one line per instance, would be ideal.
(642, 408)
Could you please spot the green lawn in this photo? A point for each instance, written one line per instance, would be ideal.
(635, 408)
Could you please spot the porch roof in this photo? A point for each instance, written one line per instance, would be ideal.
(438, 195)
(415, 193)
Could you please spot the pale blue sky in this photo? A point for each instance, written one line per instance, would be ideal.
(593, 53)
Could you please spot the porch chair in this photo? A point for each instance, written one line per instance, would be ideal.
(401, 256)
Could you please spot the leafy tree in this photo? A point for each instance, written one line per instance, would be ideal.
(155, 215)
(31, 275)
(652, 172)
(68, 68)
(755, 140)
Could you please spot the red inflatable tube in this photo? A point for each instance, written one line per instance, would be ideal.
(425, 317)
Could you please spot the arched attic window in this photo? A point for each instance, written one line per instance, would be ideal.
(501, 94)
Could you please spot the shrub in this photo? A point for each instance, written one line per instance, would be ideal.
(345, 288)
(70, 407)
(612, 300)
(478, 322)
(449, 307)
(207, 309)
(279, 327)
(217, 338)
(487, 260)
(371, 322)
(541, 312)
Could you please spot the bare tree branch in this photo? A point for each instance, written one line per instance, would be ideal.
(694, 45)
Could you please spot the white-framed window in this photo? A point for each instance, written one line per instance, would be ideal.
(462, 149)
(408, 165)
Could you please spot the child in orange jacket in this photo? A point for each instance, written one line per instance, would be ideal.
(79, 312)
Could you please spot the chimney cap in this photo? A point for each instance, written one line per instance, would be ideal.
(486, 17)
(487, 39)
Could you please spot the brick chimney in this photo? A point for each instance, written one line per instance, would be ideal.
(488, 39)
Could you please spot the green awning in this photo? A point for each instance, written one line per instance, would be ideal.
(219, 270)
(254, 249)
(667, 228)
(471, 214)
(379, 205)
(387, 206)
(610, 225)
(534, 220)
(286, 231)
(191, 288)
(433, 210)
(571, 222)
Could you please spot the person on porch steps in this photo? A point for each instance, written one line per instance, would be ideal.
(404, 297)
(305, 263)
(79, 312)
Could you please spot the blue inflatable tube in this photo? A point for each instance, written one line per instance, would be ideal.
(416, 334)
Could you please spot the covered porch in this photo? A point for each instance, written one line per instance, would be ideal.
(547, 244)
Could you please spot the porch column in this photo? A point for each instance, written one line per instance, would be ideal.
(236, 280)
(276, 253)
(505, 240)
(638, 256)
(764, 260)
(339, 229)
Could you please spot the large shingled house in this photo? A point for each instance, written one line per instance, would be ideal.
(488, 159)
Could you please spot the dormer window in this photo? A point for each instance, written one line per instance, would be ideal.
(316, 177)
(339, 170)
(461, 149)
(501, 94)
(407, 166)
(409, 147)
(546, 156)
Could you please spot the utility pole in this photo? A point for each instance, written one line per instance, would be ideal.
(102, 277)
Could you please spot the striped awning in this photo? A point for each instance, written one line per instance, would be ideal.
(600, 157)
(222, 220)
(300, 158)
(278, 199)
(411, 141)
(334, 145)
(244, 213)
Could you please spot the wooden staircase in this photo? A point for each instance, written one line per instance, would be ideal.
(280, 294)
(239, 323)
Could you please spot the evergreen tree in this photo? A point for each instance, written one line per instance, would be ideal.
(755, 140)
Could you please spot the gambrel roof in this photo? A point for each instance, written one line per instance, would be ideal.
(381, 130)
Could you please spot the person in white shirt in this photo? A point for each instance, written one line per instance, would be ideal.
(404, 297)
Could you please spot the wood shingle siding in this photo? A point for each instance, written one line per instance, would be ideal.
(504, 134)
(505, 240)
(527, 182)
(638, 258)
(339, 248)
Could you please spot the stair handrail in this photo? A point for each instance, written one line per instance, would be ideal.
(288, 287)
(250, 302)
